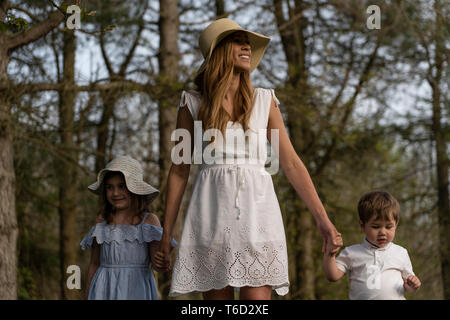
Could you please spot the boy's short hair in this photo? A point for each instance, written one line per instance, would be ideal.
(379, 203)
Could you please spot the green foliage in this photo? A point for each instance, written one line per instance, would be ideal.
(26, 284)
(14, 24)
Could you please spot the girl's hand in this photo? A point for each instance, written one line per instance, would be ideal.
(332, 239)
(154, 247)
(162, 257)
(411, 284)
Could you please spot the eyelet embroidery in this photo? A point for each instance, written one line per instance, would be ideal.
(205, 262)
(204, 269)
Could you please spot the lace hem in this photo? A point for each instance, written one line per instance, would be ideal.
(103, 232)
(281, 289)
(255, 265)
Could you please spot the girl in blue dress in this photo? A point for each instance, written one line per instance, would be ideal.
(125, 237)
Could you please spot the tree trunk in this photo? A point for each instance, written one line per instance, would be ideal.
(8, 219)
(301, 233)
(441, 152)
(168, 60)
(220, 8)
(67, 170)
(109, 99)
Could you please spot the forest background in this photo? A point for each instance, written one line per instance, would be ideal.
(366, 109)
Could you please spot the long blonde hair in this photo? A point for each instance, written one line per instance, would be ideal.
(213, 81)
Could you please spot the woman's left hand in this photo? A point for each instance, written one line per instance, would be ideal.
(332, 240)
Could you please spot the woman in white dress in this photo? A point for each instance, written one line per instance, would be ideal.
(233, 234)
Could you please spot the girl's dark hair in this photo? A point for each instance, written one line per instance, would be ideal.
(139, 203)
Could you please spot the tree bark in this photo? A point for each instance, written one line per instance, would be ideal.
(67, 171)
(168, 60)
(300, 236)
(109, 99)
(441, 151)
(220, 8)
(8, 219)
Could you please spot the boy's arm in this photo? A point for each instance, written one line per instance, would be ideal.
(410, 282)
(331, 271)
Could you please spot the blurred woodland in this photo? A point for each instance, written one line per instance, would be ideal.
(365, 110)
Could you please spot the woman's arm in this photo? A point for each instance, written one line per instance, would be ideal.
(298, 176)
(176, 185)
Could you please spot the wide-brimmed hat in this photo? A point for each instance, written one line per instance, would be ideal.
(133, 173)
(221, 28)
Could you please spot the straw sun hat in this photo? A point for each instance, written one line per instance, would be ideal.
(133, 173)
(219, 29)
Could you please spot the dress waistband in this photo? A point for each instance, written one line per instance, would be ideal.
(240, 177)
(124, 265)
(258, 167)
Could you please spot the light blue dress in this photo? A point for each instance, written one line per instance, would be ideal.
(124, 272)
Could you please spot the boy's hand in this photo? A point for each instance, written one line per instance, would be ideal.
(411, 284)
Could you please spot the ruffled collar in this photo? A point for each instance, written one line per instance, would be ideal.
(141, 233)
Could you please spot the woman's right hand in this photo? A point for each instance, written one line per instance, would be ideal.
(162, 256)
(332, 239)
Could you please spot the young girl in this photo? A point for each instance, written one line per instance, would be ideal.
(233, 234)
(125, 237)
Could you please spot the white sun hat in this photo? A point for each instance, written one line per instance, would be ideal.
(133, 173)
(221, 28)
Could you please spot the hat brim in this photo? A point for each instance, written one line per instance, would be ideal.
(258, 44)
(137, 187)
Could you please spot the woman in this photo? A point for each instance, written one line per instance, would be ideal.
(233, 235)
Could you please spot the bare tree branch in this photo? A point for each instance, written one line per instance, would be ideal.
(38, 87)
(39, 30)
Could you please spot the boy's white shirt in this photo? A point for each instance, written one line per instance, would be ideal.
(375, 273)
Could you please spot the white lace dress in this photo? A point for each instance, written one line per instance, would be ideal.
(233, 233)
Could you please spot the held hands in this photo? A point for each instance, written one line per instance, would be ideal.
(333, 246)
(411, 284)
(161, 259)
(332, 239)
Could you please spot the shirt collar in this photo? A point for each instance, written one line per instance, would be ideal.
(366, 244)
